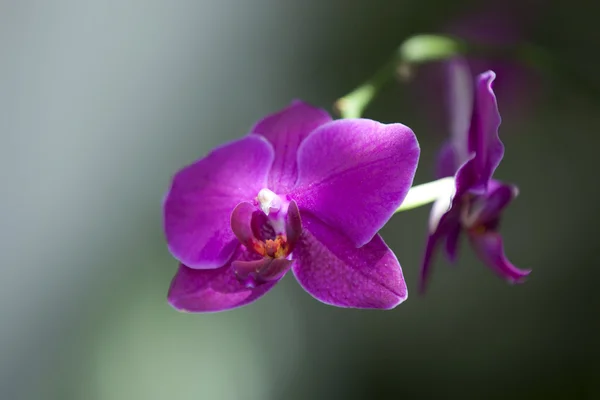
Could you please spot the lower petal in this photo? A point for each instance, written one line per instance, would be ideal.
(430, 249)
(212, 290)
(452, 243)
(334, 271)
(490, 249)
(447, 227)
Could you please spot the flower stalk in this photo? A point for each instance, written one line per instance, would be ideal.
(415, 50)
(426, 193)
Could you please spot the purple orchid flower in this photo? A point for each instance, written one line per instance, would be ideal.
(300, 192)
(471, 156)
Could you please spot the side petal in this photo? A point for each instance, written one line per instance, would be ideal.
(490, 249)
(202, 196)
(293, 225)
(286, 130)
(330, 268)
(483, 133)
(199, 291)
(241, 224)
(354, 173)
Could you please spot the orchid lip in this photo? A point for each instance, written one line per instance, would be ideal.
(271, 237)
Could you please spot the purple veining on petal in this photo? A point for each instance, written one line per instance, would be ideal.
(354, 173)
(490, 249)
(202, 196)
(334, 271)
(197, 291)
(286, 130)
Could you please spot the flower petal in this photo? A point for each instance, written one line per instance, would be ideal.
(354, 173)
(198, 207)
(484, 141)
(446, 161)
(334, 271)
(452, 237)
(286, 130)
(430, 249)
(443, 225)
(446, 203)
(241, 224)
(460, 105)
(293, 225)
(487, 208)
(490, 249)
(196, 291)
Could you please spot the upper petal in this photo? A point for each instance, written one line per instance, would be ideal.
(483, 133)
(334, 271)
(198, 206)
(195, 290)
(446, 161)
(285, 130)
(490, 249)
(460, 106)
(354, 173)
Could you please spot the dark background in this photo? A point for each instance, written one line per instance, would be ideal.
(101, 102)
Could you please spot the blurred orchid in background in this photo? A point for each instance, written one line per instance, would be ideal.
(472, 154)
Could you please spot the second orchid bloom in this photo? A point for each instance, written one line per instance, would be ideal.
(472, 154)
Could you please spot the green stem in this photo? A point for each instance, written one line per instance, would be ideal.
(414, 50)
(420, 49)
(426, 193)
(354, 103)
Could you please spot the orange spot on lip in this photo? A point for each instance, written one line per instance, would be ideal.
(277, 248)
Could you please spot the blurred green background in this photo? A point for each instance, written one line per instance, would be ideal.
(102, 101)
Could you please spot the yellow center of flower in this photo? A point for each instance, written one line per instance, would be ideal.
(277, 248)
